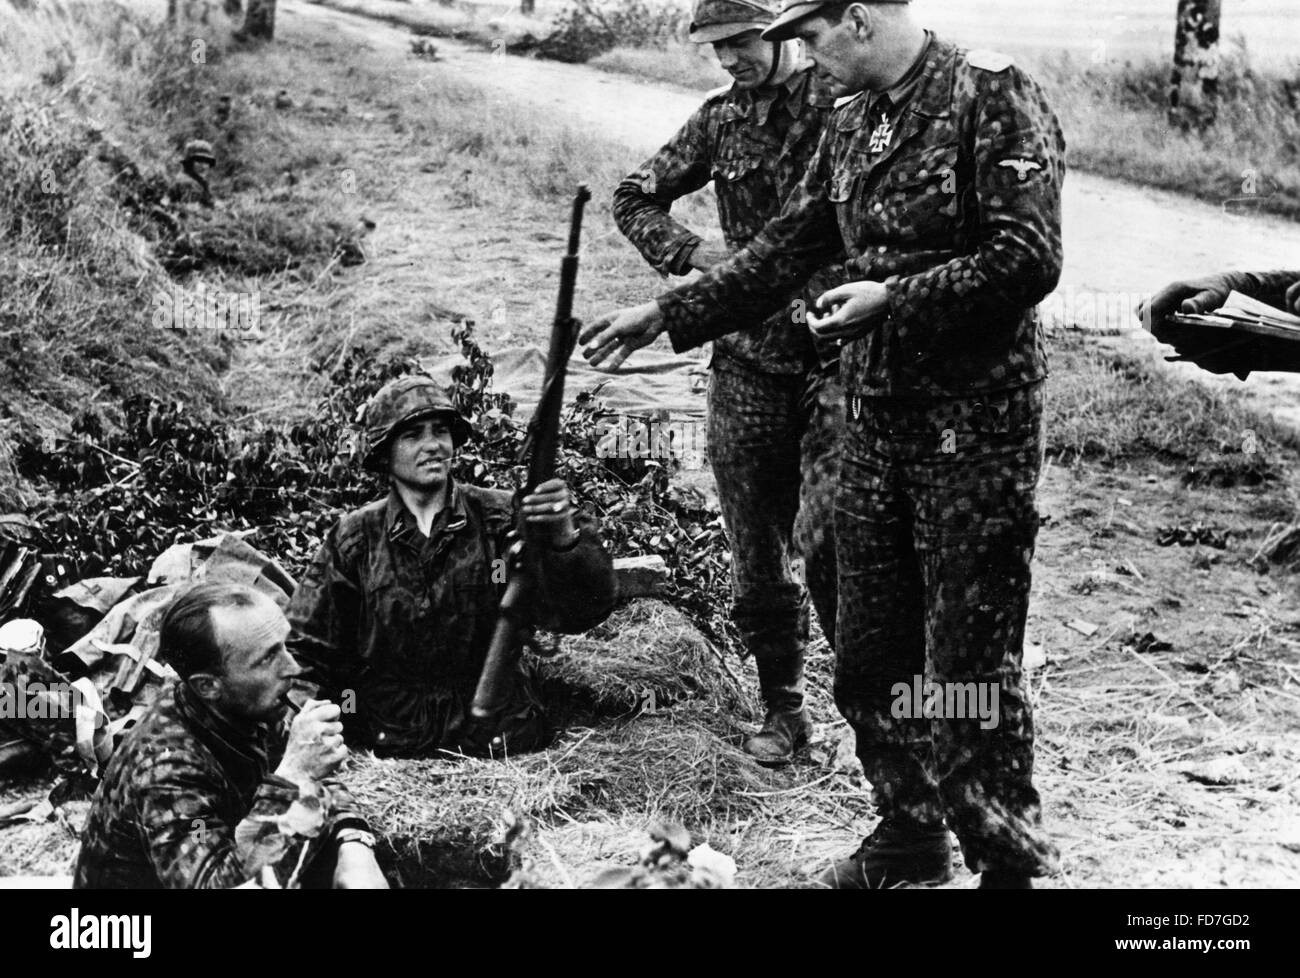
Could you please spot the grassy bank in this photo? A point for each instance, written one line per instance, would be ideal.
(1113, 114)
(77, 272)
(1118, 409)
(103, 227)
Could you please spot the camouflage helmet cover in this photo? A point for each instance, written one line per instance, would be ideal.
(716, 20)
(404, 399)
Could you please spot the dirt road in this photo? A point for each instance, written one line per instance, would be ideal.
(1121, 240)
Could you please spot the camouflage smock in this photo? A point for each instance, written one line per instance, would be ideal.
(395, 626)
(185, 796)
(754, 146)
(959, 217)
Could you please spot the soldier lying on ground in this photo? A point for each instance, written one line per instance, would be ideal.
(1210, 349)
(191, 798)
(395, 615)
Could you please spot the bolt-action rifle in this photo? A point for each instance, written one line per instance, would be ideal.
(517, 614)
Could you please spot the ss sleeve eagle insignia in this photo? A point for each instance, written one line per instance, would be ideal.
(1022, 166)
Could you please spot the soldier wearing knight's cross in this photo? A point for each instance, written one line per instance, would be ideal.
(938, 182)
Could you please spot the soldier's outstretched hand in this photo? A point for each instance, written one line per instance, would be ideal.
(610, 339)
(1201, 295)
(849, 312)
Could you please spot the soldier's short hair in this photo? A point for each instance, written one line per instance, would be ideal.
(834, 12)
(187, 636)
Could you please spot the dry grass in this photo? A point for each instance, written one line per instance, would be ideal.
(1113, 407)
(673, 757)
(1115, 124)
(101, 100)
(1116, 734)
(647, 657)
(40, 849)
(77, 276)
(444, 822)
(590, 798)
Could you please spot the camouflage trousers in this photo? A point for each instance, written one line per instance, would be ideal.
(936, 523)
(772, 444)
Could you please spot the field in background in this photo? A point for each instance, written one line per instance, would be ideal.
(1129, 29)
(1125, 29)
(1105, 69)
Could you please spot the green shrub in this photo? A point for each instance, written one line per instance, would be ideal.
(588, 28)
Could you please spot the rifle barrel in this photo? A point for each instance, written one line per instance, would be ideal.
(543, 440)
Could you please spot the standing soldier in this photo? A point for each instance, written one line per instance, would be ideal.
(940, 182)
(774, 404)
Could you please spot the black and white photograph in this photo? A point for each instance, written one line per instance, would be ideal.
(650, 444)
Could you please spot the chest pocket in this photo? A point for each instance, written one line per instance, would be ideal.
(746, 194)
(847, 191)
(921, 197)
(404, 636)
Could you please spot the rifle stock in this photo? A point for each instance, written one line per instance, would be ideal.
(541, 444)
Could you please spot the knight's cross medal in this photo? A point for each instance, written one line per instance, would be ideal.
(882, 136)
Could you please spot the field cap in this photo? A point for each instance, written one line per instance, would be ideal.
(717, 20)
(782, 29)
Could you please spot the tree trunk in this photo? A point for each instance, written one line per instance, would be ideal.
(259, 20)
(1194, 84)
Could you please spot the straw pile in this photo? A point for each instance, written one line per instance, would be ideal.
(646, 658)
(444, 821)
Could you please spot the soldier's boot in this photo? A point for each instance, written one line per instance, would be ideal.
(898, 852)
(786, 726)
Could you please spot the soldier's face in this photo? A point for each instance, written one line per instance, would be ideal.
(838, 52)
(422, 452)
(257, 668)
(746, 57)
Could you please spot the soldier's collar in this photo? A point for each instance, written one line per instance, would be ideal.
(932, 97)
(246, 741)
(452, 517)
(906, 86)
(758, 104)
